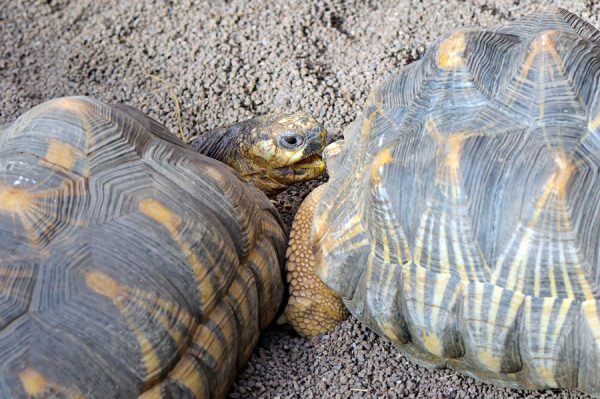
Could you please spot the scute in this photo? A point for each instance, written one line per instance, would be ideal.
(129, 264)
(466, 205)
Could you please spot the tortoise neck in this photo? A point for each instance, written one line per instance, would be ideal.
(219, 143)
(231, 144)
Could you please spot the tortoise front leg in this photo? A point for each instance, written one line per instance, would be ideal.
(312, 308)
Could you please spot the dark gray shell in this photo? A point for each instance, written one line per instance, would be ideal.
(462, 218)
(129, 264)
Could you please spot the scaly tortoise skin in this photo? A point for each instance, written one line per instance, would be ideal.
(462, 216)
(129, 263)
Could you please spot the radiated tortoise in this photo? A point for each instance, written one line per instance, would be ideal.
(131, 265)
(462, 216)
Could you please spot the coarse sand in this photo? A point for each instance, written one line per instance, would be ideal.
(229, 60)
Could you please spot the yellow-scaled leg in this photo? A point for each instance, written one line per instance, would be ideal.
(312, 308)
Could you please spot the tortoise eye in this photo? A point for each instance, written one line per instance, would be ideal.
(290, 140)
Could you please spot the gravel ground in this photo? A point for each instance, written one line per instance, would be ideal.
(229, 60)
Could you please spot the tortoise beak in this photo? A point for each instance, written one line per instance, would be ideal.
(315, 139)
(313, 165)
(307, 168)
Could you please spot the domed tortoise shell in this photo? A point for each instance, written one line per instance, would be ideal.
(462, 218)
(129, 264)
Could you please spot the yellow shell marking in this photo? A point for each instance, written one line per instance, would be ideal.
(545, 360)
(590, 314)
(426, 301)
(454, 143)
(486, 326)
(186, 373)
(366, 125)
(451, 50)
(350, 230)
(205, 336)
(161, 214)
(14, 200)
(237, 290)
(543, 44)
(419, 291)
(215, 174)
(389, 331)
(419, 244)
(61, 154)
(490, 360)
(546, 312)
(72, 104)
(594, 123)
(103, 284)
(152, 393)
(382, 158)
(557, 185)
(149, 356)
(433, 343)
(451, 143)
(170, 309)
(33, 382)
(443, 246)
(555, 189)
(451, 233)
(560, 178)
(165, 216)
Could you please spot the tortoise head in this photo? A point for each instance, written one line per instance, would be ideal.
(282, 150)
(272, 151)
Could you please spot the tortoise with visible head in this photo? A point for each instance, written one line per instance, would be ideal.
(131, 264)
(462, 216)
